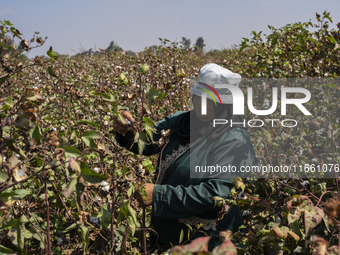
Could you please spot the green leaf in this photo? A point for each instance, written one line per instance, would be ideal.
(51, 72)
(197, 246)
(181, 236)
(148, 126)
(143, 68)
(5, 250)
(152, 94)
(332, 86)
(123, 79)
(105, 217)
(35, 133)
(71, 227)
(13, 235)
(33, 96)
(100, 94)
(3, 176)
(85, 237)
(218, 201)
(91, 176)
(53, 55)
(71, 152)
(120, 116)
(312, 218)
(120, 233)
(22, 121)
(10, 196)
(88, 138)
(9, 223)
(70, 187)
(126, 212)
(106, 97)
(141, 142)
(20, 193)
(73, 166)
(226, 247)
(88, 122)
(331, 39)
(8, 103)
(17, 234)
(3, 78)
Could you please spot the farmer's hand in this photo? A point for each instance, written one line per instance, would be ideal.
(148, 200)
(123, 128)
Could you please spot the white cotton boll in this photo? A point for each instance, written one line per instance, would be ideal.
(17, 155)
(278, 219)
(245, 213)
(97, 199)
(314, 160)
(59, 241)
(284, 181)
(104, 183)
(108, 113)
(3, 159)
(106, 123)
(94, 220)
(96, 169)
(265, 103)
(304, 183)
(106, 188)
(62, 128)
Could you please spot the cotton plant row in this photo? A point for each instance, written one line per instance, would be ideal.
(60, 163)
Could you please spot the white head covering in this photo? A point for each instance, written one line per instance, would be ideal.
(212, 74)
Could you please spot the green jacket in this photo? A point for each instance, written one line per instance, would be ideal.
(179, 199)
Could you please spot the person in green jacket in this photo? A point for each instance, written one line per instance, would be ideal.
(179, 196)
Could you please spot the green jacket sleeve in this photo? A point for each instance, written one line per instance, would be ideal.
(180, 202)
(149, 149)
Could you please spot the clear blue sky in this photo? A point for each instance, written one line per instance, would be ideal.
(135, 24)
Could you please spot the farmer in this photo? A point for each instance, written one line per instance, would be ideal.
(177, 199)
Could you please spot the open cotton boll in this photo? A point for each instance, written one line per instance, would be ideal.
(94, 220)
(59, 241)
(104, 183)
(106, 188)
